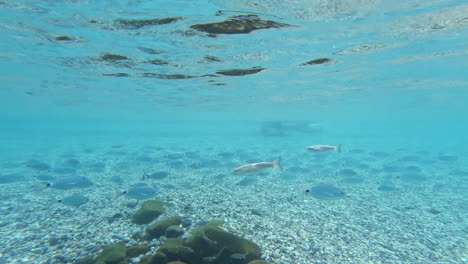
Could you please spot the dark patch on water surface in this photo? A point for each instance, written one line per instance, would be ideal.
(11, 178)
(447, 158)
(353, 180)
(64, 38)
(70, 182)
(38, 165)
(326, 192)
(175, 76)
(316, 61)
(347, 172)
(139, 23)
(118, 74)
(242, 24)
(141, 191)
(74, 200)
(240, 72)
(63, 170)
(212, 58)
(149, 50)
(249, 180)
(159, 175)
(156, 62)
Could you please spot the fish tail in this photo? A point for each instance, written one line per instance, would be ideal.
(339, 148)
(277, 164)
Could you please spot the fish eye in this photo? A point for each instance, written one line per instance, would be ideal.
(59, 201)
(124, 192)
(307, 190)
(48, 184)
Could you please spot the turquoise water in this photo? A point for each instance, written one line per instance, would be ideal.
(96, 89)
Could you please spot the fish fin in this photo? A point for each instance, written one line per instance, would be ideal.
(277, 164)
(339, 148)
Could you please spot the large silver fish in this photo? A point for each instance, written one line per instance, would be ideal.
(324, 148)
(255, 168)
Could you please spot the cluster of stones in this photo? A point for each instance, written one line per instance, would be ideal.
(208, 243)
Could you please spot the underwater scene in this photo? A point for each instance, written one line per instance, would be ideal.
(233, 132)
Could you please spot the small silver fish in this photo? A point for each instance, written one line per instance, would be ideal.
(324, 148)
(255, 168)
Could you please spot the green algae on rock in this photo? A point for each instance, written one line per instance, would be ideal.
(158, 258)
(137, 250)
(211, 243)
(158, 229)
(257, 261)
(316, 61)
(149, 211)
(242, 24)
(112, 254)
(240, 72)
(139, 23)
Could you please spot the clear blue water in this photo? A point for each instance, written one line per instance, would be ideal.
(394, 94)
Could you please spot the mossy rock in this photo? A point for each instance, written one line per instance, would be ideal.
(158, 258)
(159, 228)
(258, 261)
(176, 262)
(211, 243)
(171, 248)
(149, 211)
(135, 251)
(112, 254)
(85, 260)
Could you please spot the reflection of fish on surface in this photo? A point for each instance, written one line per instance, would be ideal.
(324, 148)
(255, 168)
(284, 128)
